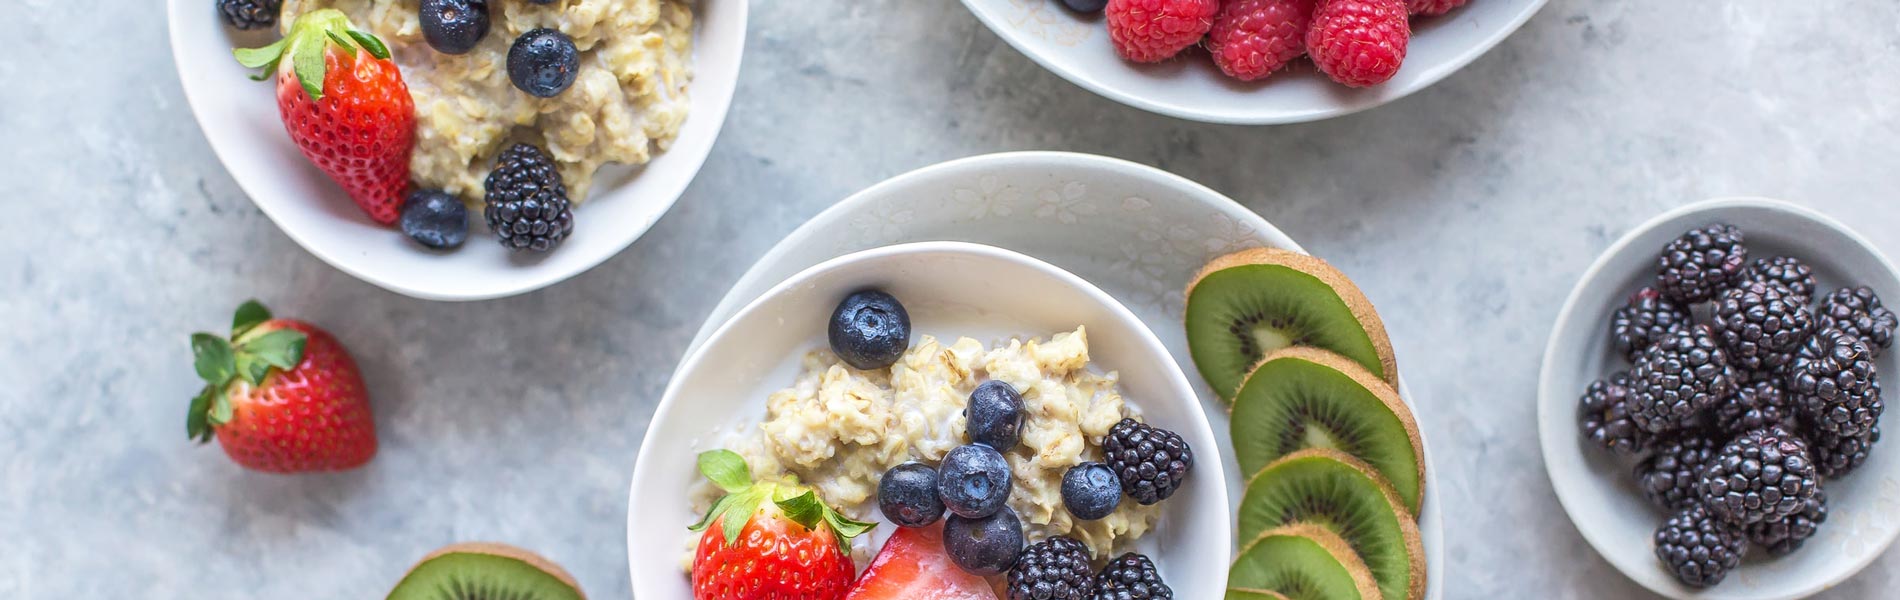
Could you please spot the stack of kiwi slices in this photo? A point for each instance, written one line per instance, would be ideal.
(1335, 470)
(482, 571)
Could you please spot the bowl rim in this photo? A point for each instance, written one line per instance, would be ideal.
(1547, 424)
(525, 281)
(1148, 341)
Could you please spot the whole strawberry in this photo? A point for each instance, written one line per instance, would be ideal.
(1433, 7)
(1155, 30)
(345, 105)
(281, 395)
(769, 541)
(1359, 43)
(1253, 38)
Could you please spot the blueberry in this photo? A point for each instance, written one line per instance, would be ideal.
(984, 546)
(1091, 491)
(435, 219)
(973, 480)
(870, 330)
(994, 416)
(543, 62)
(1085, 6)
(454, 26)
(908, 495)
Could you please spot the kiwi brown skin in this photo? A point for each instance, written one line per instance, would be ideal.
(1408, 526)
(1334, 546)
(1354, 299)
(1386, 395)
(504, 551)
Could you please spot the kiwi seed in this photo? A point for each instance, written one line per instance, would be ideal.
(1328, 488)
(1244, 305)
(1310, 398)
(484, 571)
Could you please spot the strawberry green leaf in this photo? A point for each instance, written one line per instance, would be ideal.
(341, 42)
(221, 411)
(804, 509)
(306, 61)
(845, 527)
(213, 358)
(371, 43)
(261, 58)
(252, 369)
(726, 469)
(249, 314)
(282, 348)
(738, 513)
(713, 513)
(197, 426)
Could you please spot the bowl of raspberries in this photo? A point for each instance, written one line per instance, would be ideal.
(1710, 405)
(1253, 61)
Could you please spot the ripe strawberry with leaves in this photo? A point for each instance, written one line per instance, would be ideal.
(345, 105)
(281, 396)
(769, 541)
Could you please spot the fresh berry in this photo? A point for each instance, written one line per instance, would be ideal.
(1788, 271)
(1785, 535)
(1762, 475)
(1359, 43)
(454, 26)
(869, 330)
(1700, 263)
(984, 546)
(1835, 455)
(1834, 386)
(435, 219)
(1131, 577)
(1091, 491)
(1055, 568)
(1604, 415)
(1761, 324)
(1698, 548)
(1085, 6)
(1670, 475)
(1151, 462)
(1636, 326)
(1149, 31)
(908, 495)
(1428, 8)
(1253, 38)
(994, 416)
(1858, 311)
(526, 204)
(358, 126)
(282, 396)
(914, 565)
(249, 14)
(543, 62)
(765, 540)
(974, 481)
(1756, 405)
(1674, 382)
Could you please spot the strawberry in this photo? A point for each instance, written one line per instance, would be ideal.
(913, 566)
(345, 105)
(281, 395)
(769, 541)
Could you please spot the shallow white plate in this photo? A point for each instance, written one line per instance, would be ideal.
(1597, 488)
(1137, 232)
(239, 118)
(950, 289)
(1191, 87)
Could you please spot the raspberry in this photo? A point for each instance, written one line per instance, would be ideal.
(1359, 43)
(1156, 30)
(1253, 38)
(1433, 7)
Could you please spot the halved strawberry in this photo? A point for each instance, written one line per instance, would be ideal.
(913, 566)
(769, 541)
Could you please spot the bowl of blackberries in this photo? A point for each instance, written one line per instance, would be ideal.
(1710, 405)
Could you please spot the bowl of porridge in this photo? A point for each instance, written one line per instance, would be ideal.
(768, 387)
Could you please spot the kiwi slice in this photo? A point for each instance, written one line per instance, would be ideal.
(480, 571)
(1301, 561)
(1329, 488)
(1245, 305)
(1310, 398)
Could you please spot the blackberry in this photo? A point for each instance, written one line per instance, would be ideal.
(1785, 535)
(1833, 384)
(1788, 271)
(1858, 311)
(1638, 324)
(527, 204)
(249, 14)
(1604, 415)
(1692, 268)
(1835, 455)
(1151, 462)
(1677, 380)
(1756, 405)
(1699, 548)
(1055, 568)
(1131, 577)
(1762, 324)
(1762, 475)
(1672, 472)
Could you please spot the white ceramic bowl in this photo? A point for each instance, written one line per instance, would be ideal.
(1191, 87)
(239, 118)
(950, 289)
(1597, 488)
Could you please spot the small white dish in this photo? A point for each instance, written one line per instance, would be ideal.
(1077, 48)
(1596, 488)
(950, 289)
(239, 118)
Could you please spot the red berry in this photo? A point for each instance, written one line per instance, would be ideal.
(281, 396)
(1253, 38)
(1433, 7)
(1156, 30)
(1359, 43)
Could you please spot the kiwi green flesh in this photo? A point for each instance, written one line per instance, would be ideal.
(1290, 403)
(478, 576)
(1242, 594)
(1329, 493)
(1238, 315)
(1295, 567)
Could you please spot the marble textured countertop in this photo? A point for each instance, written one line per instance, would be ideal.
(1465, 211)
